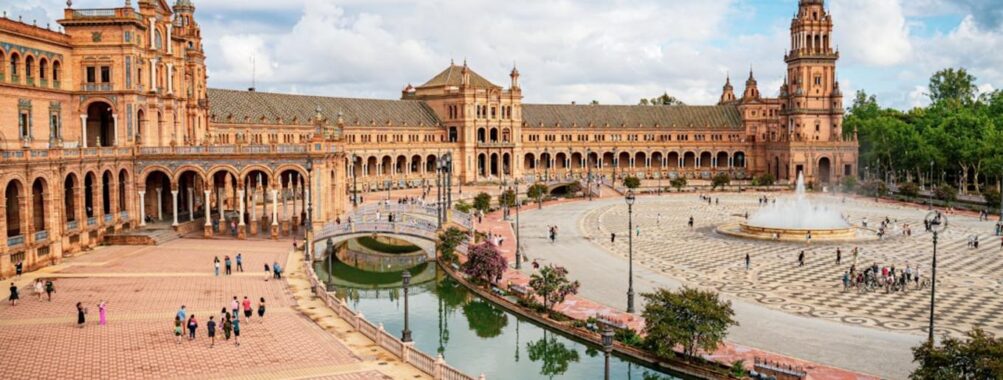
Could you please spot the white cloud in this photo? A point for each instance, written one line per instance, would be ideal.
(872, 32)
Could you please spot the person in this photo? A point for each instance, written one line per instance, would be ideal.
(19, 267)
(261, 308)
(215, 265)
(691, 222)
(227, 327)
(748, 261)
(236, 331)
(240, 262)
(183, 314)
(193, 326)
(976, 242)
(839, 256)
(658, 219)
(102, 313)
(612, 238)
(235, 306)
(846, 280)
(81, 311)
(247, 309)
(13, 295)
(268, 272)
(228, 265)
(278, 270)
(801, 259)
(49, 288)
(38, 288)
(211, 330)
(177, 329)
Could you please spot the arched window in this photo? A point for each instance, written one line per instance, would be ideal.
(29, 67)
(158, 40)
(43, 66)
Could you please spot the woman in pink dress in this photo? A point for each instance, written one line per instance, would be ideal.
(102, 307)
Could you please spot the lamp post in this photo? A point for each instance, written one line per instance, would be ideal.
(406, 279)
(616, 161)
(630, 250)
(309, 209)
(588, 165)
(546, 166)
(938, 223)
(607, 347)
(448, 178)
(438, 191)
(355, 183)
(518, 252)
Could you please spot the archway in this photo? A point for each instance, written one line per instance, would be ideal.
(640, 160)
(70, 198)
(576, 161)
(824, 170)
(607, 160)
(291, 204)
(494, 135)
(776, 167)
(506, 164)
(494, 164)
(656, 161)
(224, 190)
(430, 163)
(123, 180)
(739, 160)
(38, 195)
(256, 190)
(106, 182)
(529, 161)
(100, 125)
(90, 181)
(140, 126)
(371, 165)
(481, 163)
(481, 135)
(673, 159)
(13, 203)
(191, 189)
(561, 160)
(386, 166)
(623, 160)
(158, 195)
(705, 159)
(722, 159)
(689, 160)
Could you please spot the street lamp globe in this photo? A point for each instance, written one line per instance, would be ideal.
(406, 277)
(630, 197)
(607, 339)
(309, 164)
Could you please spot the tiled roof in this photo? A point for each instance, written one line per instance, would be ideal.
(255, 105)
(453, 76)
(567, 115)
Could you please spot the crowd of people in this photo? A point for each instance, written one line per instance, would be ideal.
(875, 277)
(229, 321)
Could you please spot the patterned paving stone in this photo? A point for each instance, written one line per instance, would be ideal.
(969, 280)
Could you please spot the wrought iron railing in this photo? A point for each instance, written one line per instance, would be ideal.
(14, 241)
(41, 236)
(72, 225)
(92, 221)
(85, 13)
(107, 218)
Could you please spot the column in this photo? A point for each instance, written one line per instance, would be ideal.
(153, 74)
(160, 204)
(191, 204)
(219, 205)
(174, 205)
(153, 28)
(240, 212)
(170, 82)
(275, 207)
(170, 46)
(114, 129)
(295, 216)
(142, 208)
(208, 223)
(83, 131)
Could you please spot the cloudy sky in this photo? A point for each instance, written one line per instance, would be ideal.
(613, 51)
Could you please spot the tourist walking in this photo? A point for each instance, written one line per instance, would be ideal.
(102, 313)
(268, 272)
(183, 315)
(235, 306)
(801, 259)
(228, 265)
(748, 261)
(839, 256)
(81, 312)
(612, 238)
(227, 327)
(240, 262)
(38, 288)
(193, 326)
(691, 222)
(49, 288)
(211, 330)
(177, 329)
(236, 331)
(261, 308)
(215, 265)
(13, 295)
(247, 309)
(19, 268)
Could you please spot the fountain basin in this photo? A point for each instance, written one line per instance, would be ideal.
(846, 234)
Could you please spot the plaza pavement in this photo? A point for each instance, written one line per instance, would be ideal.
(801, 312)
(145, 286)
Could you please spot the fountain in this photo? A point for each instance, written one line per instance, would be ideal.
(795, 219)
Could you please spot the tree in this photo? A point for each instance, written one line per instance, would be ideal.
(978, 356)
(874, 188)
(485, 319)
(448, 241)
(992, 198)
(953, 85)
(850, 183)
(554, 355)
(909, 189)
(663, 100)
(482, 202)
(766, 179)
(632, 182)
(720, 180)
(537, 191)
(485, 263)
(679, 183)
(552, 284)
(946, 193)
(691, 318)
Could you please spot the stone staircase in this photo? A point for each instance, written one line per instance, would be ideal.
(153, 236)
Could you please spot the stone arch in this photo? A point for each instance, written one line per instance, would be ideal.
(706, 159)
(386, 165)
(123, 184)
(481, 135)
(689, 160)
(150, 169)
(187, 168)
(640, 158)
(414, 165)
(430, 163)
(493, 164)
(400, 165)
(100, 123)
(607, 159)
(656, 160)
(529, 161)
(40, 193)
(91, 180)
(211, 174)
(506, 164)
(493, 135)
(576, 160)
(673, 159)
(481, 165)
(738, 159)
(371, 164)
(722, 159)
(14, 195)
(157, 184)
(824, 174)
(623, 160)
(71, 185)
(107, 181)
(561, 160)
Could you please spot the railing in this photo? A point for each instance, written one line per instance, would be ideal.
(72, 225)
(123, 215)
(90, 151)
(190, 149)
(8, 154)
(71, 145)
(41, 236)
(14, 78)
(29, 81)
(291, 149)
(84, 13)
(256, 149)
(155, 150)
(107, 151)
(56, 84)
(43, 83)
(35, 153)
(390, 343)
(95, 87)
(92, 221)
(14, 241)
(107, 218)
(222, 149)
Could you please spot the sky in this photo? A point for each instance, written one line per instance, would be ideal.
(612, 51)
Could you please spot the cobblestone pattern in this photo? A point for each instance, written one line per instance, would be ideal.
(969, 280)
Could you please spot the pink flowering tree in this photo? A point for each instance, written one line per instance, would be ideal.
(552, 284)
(485, 263)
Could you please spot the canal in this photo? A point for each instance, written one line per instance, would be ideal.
(471, 333)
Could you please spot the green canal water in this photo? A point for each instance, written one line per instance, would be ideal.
(471, 333)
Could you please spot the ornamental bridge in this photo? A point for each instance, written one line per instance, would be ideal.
(413, 223)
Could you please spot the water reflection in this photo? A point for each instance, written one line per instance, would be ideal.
(554, 355)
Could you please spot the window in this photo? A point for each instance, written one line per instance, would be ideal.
(91, 75)
(23, 124)
(54, 124)
(105, 74)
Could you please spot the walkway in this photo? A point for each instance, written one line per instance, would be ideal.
(603, 278)
(144, 286)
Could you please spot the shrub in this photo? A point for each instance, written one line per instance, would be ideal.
(720, 180)
(485, 263)
(849, 183)
(632, 182)
(909, 189)
(482, 202)
(463, 206)
(874, 188)
(946, 193)
(978, 356)
(691, 318)
(992, 198)
(537, 191)
(552, 285)
(448, 241)
(764, 180)
(679, 183)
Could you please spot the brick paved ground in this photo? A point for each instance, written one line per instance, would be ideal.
(969, 280)
(144, 286)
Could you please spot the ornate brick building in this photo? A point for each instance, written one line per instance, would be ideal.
(109, 125)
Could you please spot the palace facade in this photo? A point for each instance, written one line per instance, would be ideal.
(109, 125)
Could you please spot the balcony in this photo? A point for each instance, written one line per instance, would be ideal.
(94, 13)
(108, 218)
(30, 81)
(14, 78)
(41, 236)
(495, 144)
(14, 241)
(72, 225)
(92, 221)
(43, 83)
(95, 87)
(56, 84)
(123, 216)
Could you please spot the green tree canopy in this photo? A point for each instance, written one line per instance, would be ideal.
(551, 283)
(953, 85)
(691, 318)
(632, 182)
(978, 356)
(482, 202)
(679, 183)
